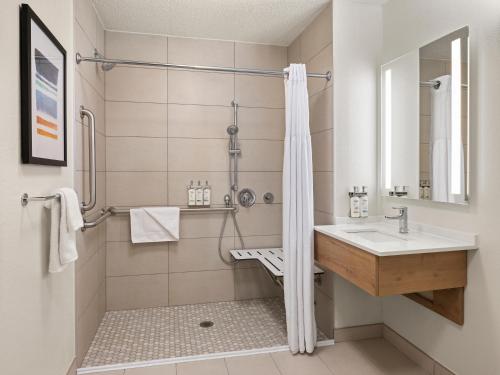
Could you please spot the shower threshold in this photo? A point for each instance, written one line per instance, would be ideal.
(144, 337)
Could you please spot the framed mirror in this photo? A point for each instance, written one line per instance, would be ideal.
(425, 122)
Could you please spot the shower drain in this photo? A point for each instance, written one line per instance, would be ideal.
(206, 324)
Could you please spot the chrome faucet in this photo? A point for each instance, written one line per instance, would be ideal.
(402, 217)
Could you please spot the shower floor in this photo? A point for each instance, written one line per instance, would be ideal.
(174, 331)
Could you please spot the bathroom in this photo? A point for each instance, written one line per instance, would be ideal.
(185, 108)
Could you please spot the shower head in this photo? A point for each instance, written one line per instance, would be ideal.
(107, 66)
(232, 130)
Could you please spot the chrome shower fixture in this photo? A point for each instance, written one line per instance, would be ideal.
(234, 149)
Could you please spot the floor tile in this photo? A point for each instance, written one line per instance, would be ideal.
(261, 364)
(152, 370)
(300, 364)
(211, 367)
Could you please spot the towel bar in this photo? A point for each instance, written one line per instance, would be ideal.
(25, 198)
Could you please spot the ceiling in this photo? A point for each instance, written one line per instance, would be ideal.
(276, 22)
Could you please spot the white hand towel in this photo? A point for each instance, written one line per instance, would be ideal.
(154, 224)
(65, 220)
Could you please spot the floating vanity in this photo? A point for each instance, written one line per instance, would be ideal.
(383, 262)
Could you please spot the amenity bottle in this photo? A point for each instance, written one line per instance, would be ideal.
(355, 203)
(199, 195)
(191, 195)
(207, 194)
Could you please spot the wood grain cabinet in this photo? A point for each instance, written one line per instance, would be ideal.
(443, 273)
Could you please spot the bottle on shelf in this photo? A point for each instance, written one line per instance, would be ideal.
(199, 194)
(355, 202)
(207, 194)
(364, 202)
(191, 195)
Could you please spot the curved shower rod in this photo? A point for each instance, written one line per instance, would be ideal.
(108, 64)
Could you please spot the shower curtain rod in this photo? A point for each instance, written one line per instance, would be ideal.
(108, 64)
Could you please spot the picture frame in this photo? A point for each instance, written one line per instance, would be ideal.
(43, 93)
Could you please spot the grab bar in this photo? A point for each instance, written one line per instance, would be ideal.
(92, 160)
(105, 213)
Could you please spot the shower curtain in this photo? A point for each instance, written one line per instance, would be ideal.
(298, 215)
(440, 143)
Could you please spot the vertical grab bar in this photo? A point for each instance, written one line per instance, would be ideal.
(92, 160)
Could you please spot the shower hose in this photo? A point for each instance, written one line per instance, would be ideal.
(221, 236)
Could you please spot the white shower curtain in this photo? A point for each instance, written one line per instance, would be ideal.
(298, 215)
(440, 144)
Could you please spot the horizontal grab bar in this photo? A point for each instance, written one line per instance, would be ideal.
(117, 211)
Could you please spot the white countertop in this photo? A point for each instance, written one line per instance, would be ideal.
(383, 239)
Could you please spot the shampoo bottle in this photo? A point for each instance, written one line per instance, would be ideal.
(199, 194)
(191, 195)
(207, 193)
(355, 203)
(364, 202)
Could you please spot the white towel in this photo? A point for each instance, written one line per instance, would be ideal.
(154, 224)
(65, 220)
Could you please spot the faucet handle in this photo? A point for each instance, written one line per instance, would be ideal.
(400, 208)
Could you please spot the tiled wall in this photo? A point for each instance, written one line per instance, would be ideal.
(165, 128)
(89, 92)
(314, 47)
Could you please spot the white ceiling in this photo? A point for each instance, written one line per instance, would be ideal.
(276, 22)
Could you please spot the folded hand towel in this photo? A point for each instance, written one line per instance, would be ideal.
(65, 220)
(154, 224)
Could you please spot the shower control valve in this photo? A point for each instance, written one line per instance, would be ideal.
(247, 197)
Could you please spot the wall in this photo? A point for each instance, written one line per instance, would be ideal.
(357, 35)
(166, 128)
(37, 315)
(89, 92)
(314, 48)
(474, 347)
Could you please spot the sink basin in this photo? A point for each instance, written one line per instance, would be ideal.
(374, 235)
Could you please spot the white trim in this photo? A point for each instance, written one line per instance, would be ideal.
(193, 358)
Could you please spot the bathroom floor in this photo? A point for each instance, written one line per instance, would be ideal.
(174, 331)
(365, 357)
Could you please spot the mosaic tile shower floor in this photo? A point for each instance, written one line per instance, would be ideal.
(174, 331)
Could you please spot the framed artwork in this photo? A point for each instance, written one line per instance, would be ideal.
(43, 93)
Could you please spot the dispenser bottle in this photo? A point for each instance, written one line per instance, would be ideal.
(191, 195)
(355, 202)
(207, 194)
(364, 202)
(199, 194)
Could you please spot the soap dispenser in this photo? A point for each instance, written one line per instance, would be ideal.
(364, 202)
(199, 194)
(355, 202)
(207, 194)
(191, 195)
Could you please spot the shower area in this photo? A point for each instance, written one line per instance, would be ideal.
(157, 129)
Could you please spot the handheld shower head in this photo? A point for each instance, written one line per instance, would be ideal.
(232, 130)
(107, 66)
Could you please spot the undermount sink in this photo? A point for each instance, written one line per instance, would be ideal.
(374, 235)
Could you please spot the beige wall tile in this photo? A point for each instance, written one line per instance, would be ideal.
(317, 35)
(322, 151)
(197, 154)
(88, 242)
(201, 287)
(81, 143)
(324, 312)
(321, 111)
(196, 121)
(134, 154)
(130, 46)
(261, 155)
(293, 52)
(323, 191)
(256, 91)
(136, 119)
(206, 225)
(136, 188)
(261, 183)
(250, 283)
(91, 71)
(425, 128)
(188, 51)
(261, 123)
(425, 101)
(199, 254)
(88, 280)
(261, 219)
(370, 331)
(262, 364)
(136, 85)
(100, 38)
(126, 259)
(86, 18)
(260, 56)
(431, 69)
(322, 218)
(321, 63)
(212, 367)
(178, 182)
(100, 192)
(130, 292)
(424, 158)
(90, 98)
(253, 242)
(186, 87)
(118, 228)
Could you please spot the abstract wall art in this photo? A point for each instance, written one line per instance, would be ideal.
(43, 93)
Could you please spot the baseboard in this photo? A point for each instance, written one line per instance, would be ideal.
(373, 331)
(72, 368)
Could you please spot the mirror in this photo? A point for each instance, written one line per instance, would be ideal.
(425, 122)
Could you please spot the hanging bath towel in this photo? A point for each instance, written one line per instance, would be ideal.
(298, 219)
